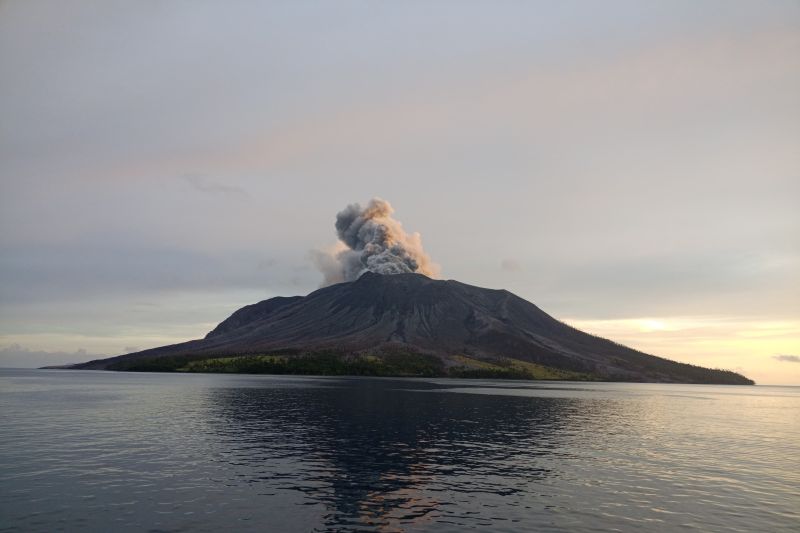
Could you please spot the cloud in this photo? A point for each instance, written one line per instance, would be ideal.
(787, 358)
(570, 152)
(17, 356)
(203, 184)
(510, 265)
(371, 240)
(30, 273)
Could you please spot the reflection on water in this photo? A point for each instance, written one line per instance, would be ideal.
(376, 455)
(98, 451)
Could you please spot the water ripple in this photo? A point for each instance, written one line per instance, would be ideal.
(94, 451)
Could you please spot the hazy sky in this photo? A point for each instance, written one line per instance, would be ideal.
(632, 167)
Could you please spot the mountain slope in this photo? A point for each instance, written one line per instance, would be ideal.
(412, 313)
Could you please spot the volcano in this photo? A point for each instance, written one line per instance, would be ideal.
(380, 321)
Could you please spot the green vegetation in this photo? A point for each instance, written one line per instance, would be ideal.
(511, 369)
(152, 364)
(403, 364)
(394, 363)
(322, 364)
(408, 363)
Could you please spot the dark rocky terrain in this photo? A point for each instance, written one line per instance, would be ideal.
(458, 326)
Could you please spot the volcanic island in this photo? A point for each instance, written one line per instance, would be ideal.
(381, 312)
(409, 325)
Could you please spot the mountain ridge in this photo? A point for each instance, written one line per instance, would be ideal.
(457, 323)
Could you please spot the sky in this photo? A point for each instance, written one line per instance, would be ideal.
(633, 168)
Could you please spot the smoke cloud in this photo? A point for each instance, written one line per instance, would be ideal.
(371, 240)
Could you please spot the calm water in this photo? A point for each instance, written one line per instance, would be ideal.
(101, 451)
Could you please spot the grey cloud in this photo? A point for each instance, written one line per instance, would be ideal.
(554, 155)
(787, 358)
(510, 265)
(329, 265)
(375, 242)
(16, 356)
(698, 283)
(204, 184)
(30, 273)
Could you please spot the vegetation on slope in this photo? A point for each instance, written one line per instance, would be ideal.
(393, 364)
(321, 364)
(407, 363)
(468, 367)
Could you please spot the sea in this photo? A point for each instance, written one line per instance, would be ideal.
(102, 451)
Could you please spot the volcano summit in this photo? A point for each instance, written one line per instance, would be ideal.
(409, 324)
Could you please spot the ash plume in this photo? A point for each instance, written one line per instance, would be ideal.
(371, 240)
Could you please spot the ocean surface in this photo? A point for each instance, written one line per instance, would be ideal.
(102, 451)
